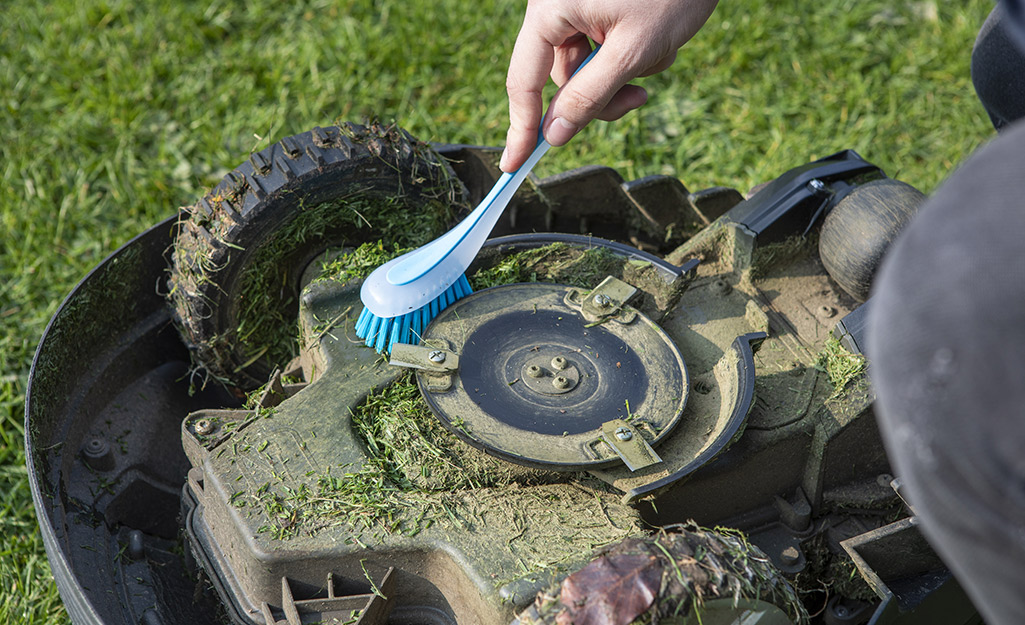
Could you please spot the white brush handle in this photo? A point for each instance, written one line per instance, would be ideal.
(461, 244)
(414, 279)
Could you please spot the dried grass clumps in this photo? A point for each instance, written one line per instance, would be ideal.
(669, 575)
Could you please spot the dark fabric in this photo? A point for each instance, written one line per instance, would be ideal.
(1016, 12)
(947, 343)
(998, 66)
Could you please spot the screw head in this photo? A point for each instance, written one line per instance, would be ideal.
(602, 301)
(437, 356)
(624, 433)
(535, 371)
(816, 185)
(204, 427)
(560, 382)
(559, 363)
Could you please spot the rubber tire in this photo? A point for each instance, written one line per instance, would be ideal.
(221, 235)
(860, 228)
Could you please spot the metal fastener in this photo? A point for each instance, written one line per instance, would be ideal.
(602, 301)
(559, 363)
(535, 371)
(816, 185)
(560, 382)
(204, 427)
(437, 356)
(624, 433)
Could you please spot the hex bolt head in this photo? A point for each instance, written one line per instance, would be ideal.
(535, 371)
(602, 301)
(559, 363)
(437, 356)
(624, 433)
(204, 427)
(560, 382)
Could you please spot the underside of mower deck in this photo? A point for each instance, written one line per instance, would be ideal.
(638, 363)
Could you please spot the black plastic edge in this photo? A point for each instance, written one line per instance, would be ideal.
(851, 330)
(767, 208)
(744, 347)
(207, 556)
(72, 593)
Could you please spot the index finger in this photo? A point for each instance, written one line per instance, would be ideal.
(529, 67)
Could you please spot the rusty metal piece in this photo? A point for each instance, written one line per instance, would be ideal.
(205, 427)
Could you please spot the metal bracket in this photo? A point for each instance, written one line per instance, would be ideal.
(435, 366)
(430, 359)
(605, 302)
(627, 442)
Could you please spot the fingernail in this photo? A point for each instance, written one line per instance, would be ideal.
(560, 131)
(504, 159)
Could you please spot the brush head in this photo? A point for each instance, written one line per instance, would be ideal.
(383, 332)
(386, 298)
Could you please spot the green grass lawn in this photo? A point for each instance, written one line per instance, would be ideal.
(113, 114)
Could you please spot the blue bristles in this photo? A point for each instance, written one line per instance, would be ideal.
(383, 332)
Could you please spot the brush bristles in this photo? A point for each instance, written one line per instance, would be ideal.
(383, 332)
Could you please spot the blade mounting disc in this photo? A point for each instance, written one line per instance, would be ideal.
(536, 381)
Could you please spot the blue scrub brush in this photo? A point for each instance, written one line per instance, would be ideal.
(403, 295)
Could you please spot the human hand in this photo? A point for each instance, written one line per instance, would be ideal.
(637, 39)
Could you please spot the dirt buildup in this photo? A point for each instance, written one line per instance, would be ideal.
(669, 574)
(579, 267)
(766, 258)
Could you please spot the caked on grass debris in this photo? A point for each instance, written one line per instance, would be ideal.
(842, 366)
(264, 314)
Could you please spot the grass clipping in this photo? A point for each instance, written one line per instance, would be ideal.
(411, 479)
(668, 575)
(415, 469)
(840, 365)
